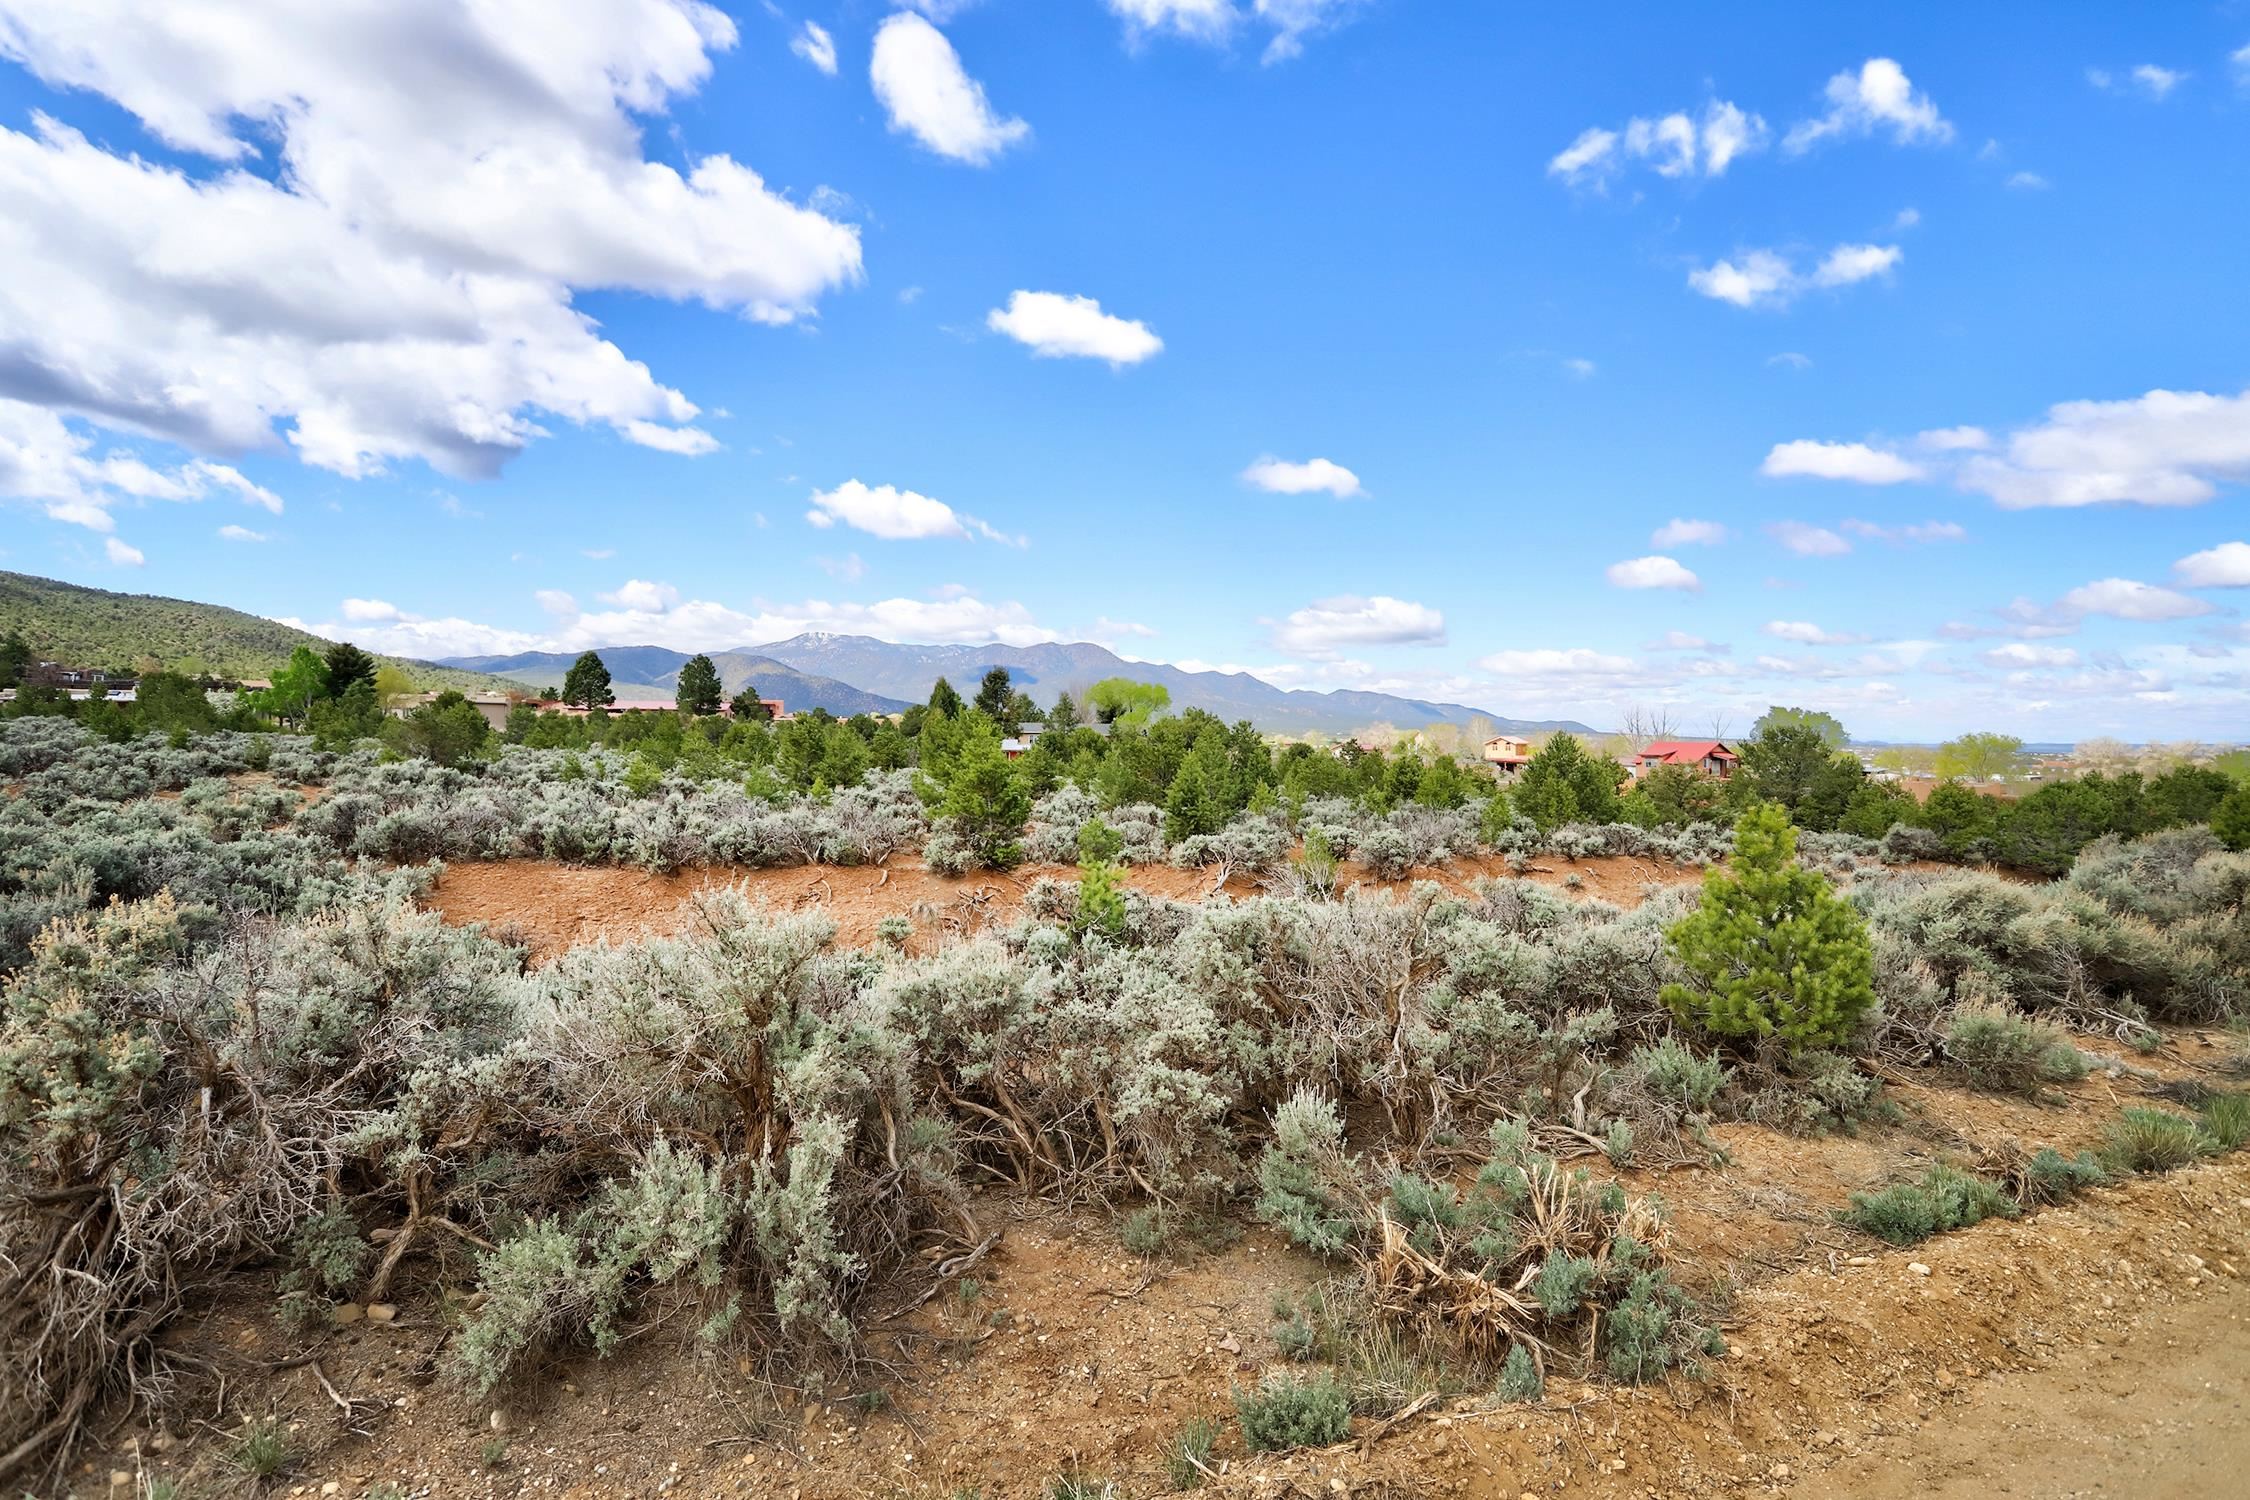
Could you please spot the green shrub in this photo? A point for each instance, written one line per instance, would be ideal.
(1641, 1341)
(2003, 1051)
(1775, 952)
(262, 1448)
(1674, 1074)
(1079, 1485)
(1945, 1198)
(2152, 1140)
(2050, 1176)
(1563, 1282)
(1296, 1174)
(1289, 1411)
(2226, 1120)
(1188, 1454)
(2230, 820)
(1144, 1230)
(1519, 1377)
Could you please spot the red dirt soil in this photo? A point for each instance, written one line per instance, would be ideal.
(553, 907)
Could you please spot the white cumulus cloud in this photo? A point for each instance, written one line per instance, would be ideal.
(1057, 326)
(121, 554)
(1673, 145)
(1651, 573)
(640, 595)
(897, 515)
(2226, 566)
(400, 286)
(1808, 459)
(2164, 448)
(1877, 98)
(919, 79)
(2128, 599)
(1768, 278)
(1325, 626)
(1315, 476)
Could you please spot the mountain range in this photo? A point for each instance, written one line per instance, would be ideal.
(845, 674)
(848, 674)
(654, 672)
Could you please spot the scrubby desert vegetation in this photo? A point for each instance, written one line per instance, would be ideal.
(233, 1047)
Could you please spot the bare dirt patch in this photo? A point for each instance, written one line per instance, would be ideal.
(554, 907)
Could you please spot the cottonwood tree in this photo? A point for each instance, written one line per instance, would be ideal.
(699, 689)
(1121, 700)
(1979, 757)
(296, 687)
(586, 685)
(1827, 726)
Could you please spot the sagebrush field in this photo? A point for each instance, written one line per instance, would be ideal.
(1381, 1126)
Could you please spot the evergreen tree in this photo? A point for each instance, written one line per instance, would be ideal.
(15, 659)
(986, 802)
(586, 685)
(1563, 784)
(1193, 806)
(747, 706)
(699, 691)
(1794, 764)
(1065, 714)
(348, 664)
(2230, 820)
(944, 701)
(992, 693)
(1101, 893)
(1774, 951)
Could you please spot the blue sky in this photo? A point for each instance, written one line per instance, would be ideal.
(1377, 344)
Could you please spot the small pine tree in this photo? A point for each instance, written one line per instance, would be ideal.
(1101, 898)
(987, 802)
(1774, 951)
(699, 690)
(586, 685)
(1193, 805)
(945, 700)
(747, 706)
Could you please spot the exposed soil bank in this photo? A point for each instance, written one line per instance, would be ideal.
(554, 907)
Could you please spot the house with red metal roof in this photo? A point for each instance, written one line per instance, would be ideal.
(1711, 757)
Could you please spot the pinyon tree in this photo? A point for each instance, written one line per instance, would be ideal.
(699, 689)
(1774, 951)
(586, 685)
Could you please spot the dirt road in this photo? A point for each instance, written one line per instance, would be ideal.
(2160, 1413)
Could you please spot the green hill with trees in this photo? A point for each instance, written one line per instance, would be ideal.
(86, 627)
